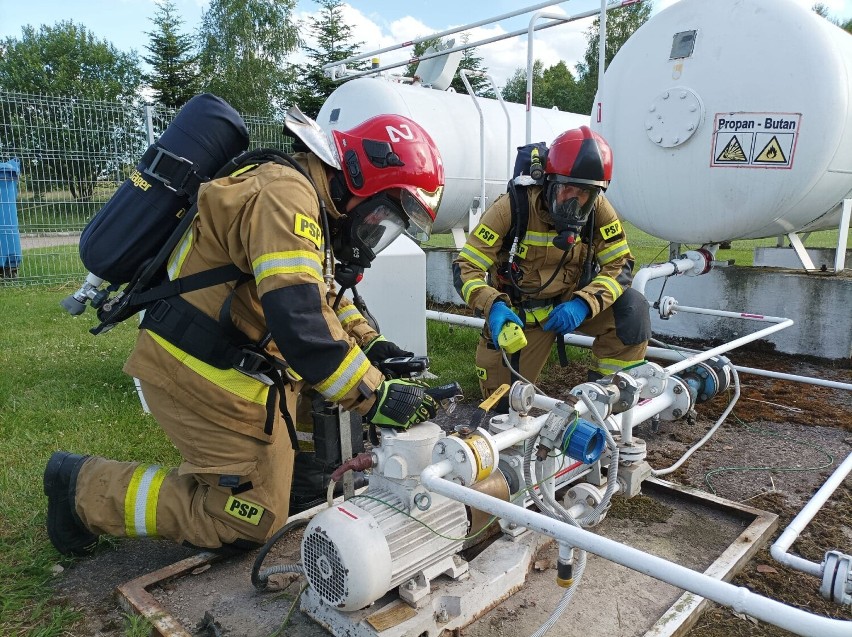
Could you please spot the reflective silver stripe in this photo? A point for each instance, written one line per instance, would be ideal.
(292, 262)
(476, 257)
(613, 252)
(539, 239)
(346, 376)
(143, 495)
(610, 284)
(348, 314)
(469, 287)
(179, 255)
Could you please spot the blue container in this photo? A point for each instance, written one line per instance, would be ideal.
(10, 236)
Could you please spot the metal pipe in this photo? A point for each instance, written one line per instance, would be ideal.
(780, 323)
(662, 472)
(557, 19)
(469, 45)
(780, 548)
(434, 36)
(736, 597)
(659, 270)
(659, 353)
(464, 73)
(602, 45)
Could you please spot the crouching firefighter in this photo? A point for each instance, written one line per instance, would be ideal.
(550, 257)
(225, 401)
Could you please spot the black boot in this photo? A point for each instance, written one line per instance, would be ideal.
(64, 527)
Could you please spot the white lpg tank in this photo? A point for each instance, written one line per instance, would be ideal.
(453, 121)
(730, 119)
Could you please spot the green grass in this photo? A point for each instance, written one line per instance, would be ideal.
(61, 388)
(647, 249)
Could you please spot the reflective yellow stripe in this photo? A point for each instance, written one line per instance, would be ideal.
(140, 501)
(291, 262)
(539, 239)
(240, 171)
(607, 366)
(348, 374)
(230, 380)
(348, 314)
(469, 253)
(178, 255)
(613, 252)
(469, 287)
(610, 284)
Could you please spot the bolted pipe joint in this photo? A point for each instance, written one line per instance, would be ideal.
(837, 578)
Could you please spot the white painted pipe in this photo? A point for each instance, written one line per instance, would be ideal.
(659, 353)
(660, 270)
(441, 34)
(779, 324)
(736, 597)
(782, 545)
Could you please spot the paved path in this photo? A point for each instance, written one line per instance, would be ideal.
(52, 239)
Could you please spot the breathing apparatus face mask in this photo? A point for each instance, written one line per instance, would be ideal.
(367, 229)
(568, 214)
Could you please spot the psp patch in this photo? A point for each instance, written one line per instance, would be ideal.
(308, 228)
(243, 510)
(611, 231)
(481, 373)
(486, 234)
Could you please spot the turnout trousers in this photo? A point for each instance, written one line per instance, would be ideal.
(231, 489)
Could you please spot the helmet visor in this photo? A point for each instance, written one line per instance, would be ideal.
(380, 224)
(420, 208)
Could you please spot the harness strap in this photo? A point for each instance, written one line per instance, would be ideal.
(186, 327)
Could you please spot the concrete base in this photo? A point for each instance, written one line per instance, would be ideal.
(703, 532)
(818, 302)
(787, 258)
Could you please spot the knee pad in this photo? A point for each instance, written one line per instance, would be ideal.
(632, 318)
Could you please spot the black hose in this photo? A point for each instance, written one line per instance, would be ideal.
(260, 582)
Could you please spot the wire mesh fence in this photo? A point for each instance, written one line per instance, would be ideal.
(61, 159)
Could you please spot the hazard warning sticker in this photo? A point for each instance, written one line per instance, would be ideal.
(755, 140)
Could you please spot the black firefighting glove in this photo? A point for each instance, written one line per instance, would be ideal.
(400, 404)
(380, 349)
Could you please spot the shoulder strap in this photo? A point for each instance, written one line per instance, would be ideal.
(520, 205)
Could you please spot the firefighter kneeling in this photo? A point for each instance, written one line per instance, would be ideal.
(571, 268)
(232, 489)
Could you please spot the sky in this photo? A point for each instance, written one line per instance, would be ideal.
(378, 23)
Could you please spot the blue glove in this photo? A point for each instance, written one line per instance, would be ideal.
(498, 316)
(566, 317)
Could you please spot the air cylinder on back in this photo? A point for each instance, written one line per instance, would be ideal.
(144, 211)
(730, 119)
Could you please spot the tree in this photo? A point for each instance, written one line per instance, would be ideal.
(174, 76)
(515, 89)
(621, 23)
(334, 44)
(65, 60)
(553, 86)
(822, 10)
(243, 50)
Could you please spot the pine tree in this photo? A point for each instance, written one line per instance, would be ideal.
(174, 76)
(334, 43)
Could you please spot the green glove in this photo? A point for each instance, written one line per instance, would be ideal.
(401, 403)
